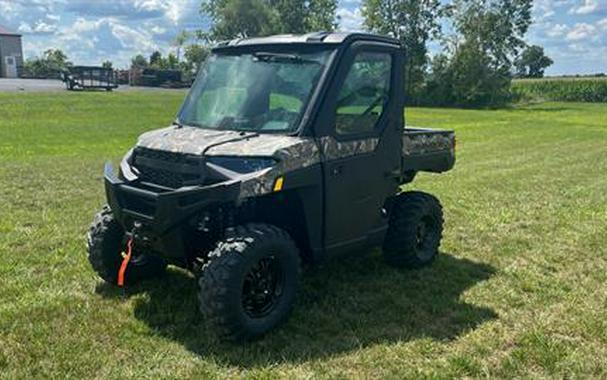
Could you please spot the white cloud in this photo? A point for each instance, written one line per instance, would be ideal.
(578, 48)
(91, 31)
(82, 25)
(43, 27)
(350, 20)
(557, 30)
(581, 31)
(39, 27)
(24, 27)
(587, 7)
(542, 10)
(156, 29)
(133, 38)
(545, 9)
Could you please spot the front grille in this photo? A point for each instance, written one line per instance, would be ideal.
(168, 169)
(165, 178)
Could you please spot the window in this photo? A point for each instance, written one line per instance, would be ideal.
(364, 94)
(261, 91)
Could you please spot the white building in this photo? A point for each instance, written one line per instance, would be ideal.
(11, 54)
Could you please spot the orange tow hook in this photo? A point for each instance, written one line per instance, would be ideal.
(126, 257)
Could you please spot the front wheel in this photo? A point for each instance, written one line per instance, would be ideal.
(248, 286)
(106, 241)
(415, 230)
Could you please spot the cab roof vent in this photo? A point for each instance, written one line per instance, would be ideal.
(316, 36)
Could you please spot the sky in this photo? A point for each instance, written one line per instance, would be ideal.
(573, 32)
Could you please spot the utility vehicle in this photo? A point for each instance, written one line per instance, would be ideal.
(287, 150)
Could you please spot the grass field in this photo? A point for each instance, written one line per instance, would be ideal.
(520, 289)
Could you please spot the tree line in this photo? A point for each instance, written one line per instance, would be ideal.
(479, 45)
(482, 42)
(187, 59)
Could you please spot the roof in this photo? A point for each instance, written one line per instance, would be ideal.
(6, 32)
(310, 38)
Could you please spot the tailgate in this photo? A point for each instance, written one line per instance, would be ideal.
(428, 150)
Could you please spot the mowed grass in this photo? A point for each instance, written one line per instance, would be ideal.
(520, 289)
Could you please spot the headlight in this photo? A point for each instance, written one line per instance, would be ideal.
(242, 165)
(126, 171)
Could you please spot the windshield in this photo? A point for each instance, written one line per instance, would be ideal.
(262, 91)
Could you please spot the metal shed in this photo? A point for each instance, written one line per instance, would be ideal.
(11, 54)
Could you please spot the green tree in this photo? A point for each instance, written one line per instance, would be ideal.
(489, 34)
(320, 15)
(238, 18)
(414, 23)
(476, 81)
(34, 67)
(296, 16)
(496, 27)
(156, 60)
(532, 62)
(56, 57)
(249, 18)
(194, 56)
(50, 65)
(107, 65)
(170, 63)
(179, 41)
(139, 62)
(438, 90)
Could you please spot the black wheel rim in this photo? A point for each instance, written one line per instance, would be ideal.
(426, 237)
(262, 287)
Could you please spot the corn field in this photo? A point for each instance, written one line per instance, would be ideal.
(591, 89)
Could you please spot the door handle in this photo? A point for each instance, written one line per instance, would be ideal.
(337, 170)
(395, 173)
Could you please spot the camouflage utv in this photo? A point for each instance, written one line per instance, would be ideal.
(287, 150)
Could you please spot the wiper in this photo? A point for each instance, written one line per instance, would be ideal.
(283, 58)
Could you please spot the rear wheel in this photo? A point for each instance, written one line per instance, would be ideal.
(415, 230)
(248, 286)
(106, 241)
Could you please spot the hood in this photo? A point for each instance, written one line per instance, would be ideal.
(198, 141)
(188, 140)
(174, 171)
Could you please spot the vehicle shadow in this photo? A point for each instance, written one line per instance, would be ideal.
(343, 306)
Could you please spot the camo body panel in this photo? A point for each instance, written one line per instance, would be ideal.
(417, 144)
(292, 153)
(262, 183)
(186, 140)
(298, 155)
(333, 149)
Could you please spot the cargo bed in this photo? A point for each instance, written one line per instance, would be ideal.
(428, 150)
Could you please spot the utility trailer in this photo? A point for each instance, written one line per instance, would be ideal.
(89, 77)
(287, 149)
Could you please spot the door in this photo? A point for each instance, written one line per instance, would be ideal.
(11, 66)
(363, 147)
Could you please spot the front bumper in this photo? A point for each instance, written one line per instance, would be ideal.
(159, 210)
